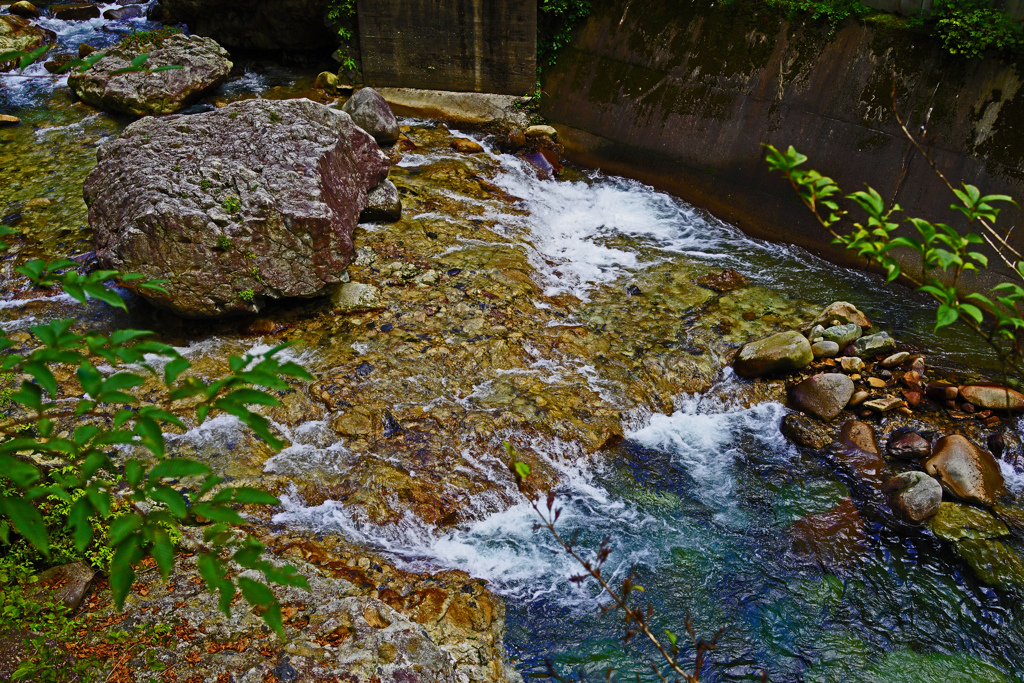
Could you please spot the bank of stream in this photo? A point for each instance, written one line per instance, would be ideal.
(564, 315)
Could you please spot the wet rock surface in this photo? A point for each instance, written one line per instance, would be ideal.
(965, 470)
(252, 202)
(17, 34)
(205, 65)
(908, 445)
(370, 112)
(916, 495)
(824, 395)
(383, 205)
(804, 431)
(782, 352)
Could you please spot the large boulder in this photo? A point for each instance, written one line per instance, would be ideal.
(782, 352)
(274, 25)
(373, 114)
(205, 65)
(966, 471)
(234, 207)
(18, 34)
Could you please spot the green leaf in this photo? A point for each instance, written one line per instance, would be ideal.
(946, 315)
(259, 595)
(122, 571)
(248, 495)
(27, 521)
(176, 468)
(218, 513)
(166, 67)
(972, 311)
(123, 527)
(174, 501)
(522, 470)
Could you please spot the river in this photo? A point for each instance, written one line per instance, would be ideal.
(699, 498)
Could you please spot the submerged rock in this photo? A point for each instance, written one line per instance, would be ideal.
(783, 352)
(372, 113)
(966, 471)
(908, 445)
(727, 280)
(383, 205)
(205, 65)
(356, 296)
(833, 539)
(251, 202)
(824, 395)
(992, 397)
(916, 495)
(75, 12)
(859, 453)
(955, 522)
(992, 562)
(804, 431)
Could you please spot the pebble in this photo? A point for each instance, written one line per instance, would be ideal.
(541, 132)
(895, 359)
(851, 364)
(858, 398)
(884, 404)
(876, 382)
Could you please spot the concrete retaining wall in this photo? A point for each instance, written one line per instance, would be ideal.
(682, 95)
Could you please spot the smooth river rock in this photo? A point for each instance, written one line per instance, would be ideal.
(966, 471)
(825, 349)
(824, 395)
(205, 65)
(842, 335)
(992, 397)
(874, 345)
(782, 352)
(372, 113)
(859, 452)
(955, 522)
(234, 207)
(26, 9)
(916, 495)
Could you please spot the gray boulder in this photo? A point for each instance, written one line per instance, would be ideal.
(823, 395)
(383, 205)
(842, 313)
(874, 345)
(782, 352)
(251, 202)
(966, 471)
(843, 335)
(916, 495)
(205, 65)
(371, 113)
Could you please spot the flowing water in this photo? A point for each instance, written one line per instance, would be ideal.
(526, 330)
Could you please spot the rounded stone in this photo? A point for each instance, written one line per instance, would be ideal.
(966, 471)
(915, 495)
(25, 9)
(383, 204)
(823, 395)
(842, 312)
(371, 112)
(825, 349)
(874, 345)
(782, 352)
(842, 335)
(992, 397)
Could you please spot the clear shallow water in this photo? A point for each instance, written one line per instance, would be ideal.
(700, 501)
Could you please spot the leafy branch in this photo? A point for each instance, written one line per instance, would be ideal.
(638, 620)
(26, 58)
(100, 432)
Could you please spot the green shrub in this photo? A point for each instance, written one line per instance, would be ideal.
(556, 20)
(969, 27)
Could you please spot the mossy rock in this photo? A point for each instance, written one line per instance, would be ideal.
(955, 522)
(993, 562)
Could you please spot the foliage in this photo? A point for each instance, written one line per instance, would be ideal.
(103, 433)
(247, 294)
(24, 58)
(556, 20)
(231, 204)
(969, 27)
(340, 13)
(155, 38)
(831, 12)
(945, 255)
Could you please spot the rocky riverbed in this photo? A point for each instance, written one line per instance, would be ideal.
(594, 324)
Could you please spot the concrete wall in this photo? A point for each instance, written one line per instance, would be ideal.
(463, 45)
(682, 95)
